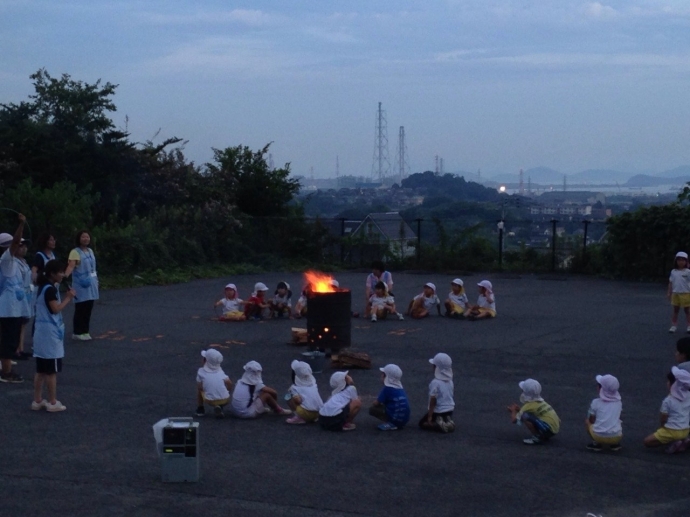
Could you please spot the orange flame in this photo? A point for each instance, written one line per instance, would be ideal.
(319, 282)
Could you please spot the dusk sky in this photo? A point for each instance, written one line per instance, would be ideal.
(490, 84)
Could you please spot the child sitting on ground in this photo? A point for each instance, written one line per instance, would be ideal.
(304, 398)
(255, 307)
(439, 415)
(301, 305)
(391, 405)
(424, 302)
(683, 353)
(603, 420)
(381, 304)
(457, 301)
(675, 414)
(251, 397)
(535, 414)
(232, 305)
(486, 303)
(281, 305)
(339, 411)
(679, 290)
(212, 385)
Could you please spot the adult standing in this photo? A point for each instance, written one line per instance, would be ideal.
(82, 267)
(15, 294)
(378, 274)
(46, 252)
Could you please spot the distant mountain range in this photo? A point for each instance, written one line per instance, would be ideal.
(547, 176)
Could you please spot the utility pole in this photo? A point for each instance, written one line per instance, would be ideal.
(403, 165)
(521, 188)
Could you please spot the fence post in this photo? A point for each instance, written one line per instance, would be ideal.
(553, 244)
(501, 224)
(419, 240)
(584, 242)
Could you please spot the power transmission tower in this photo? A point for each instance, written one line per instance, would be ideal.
(440, 166)
(521, 189)
(402, 163)
(381, 166)
(436, 165)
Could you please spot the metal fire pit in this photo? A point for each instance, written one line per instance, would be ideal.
(329, 320)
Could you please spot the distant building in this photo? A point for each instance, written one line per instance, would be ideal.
(389, 228)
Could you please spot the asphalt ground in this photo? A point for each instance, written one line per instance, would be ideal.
(98, 457)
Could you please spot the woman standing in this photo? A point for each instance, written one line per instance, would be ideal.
(46, 252)
(82, 267)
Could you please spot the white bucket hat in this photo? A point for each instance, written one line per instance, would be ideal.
(486, 285)
(393, 374)
(252, 374)
(338, 382)
(5, 240)
(459, 282)
(531, 390)
(213, 360)
(444, 366)
(609, 388)
(303, 374)
(431, 286)
(231, 286)
(335, 283)
(260, 286)
(680, 254)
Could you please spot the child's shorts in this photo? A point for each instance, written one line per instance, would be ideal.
(48, 366)
(335, 423)
(542, 429)
(604, 440)
(220, 402)
(456, 309)
(306, 415)
(490, 312)
(233, 315)
(666, 435)
(680, 300)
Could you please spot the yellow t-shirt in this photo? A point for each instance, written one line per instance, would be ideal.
(542, 411)
(74, 255)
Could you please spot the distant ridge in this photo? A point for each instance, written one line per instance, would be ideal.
(547, 176)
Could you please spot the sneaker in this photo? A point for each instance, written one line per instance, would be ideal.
(677, 446)
(200, 411)
(688, 329)
(54, 408)
(350, 426)
(11, 377)
(387, 427)
(672, 329)
(401, 317)
(296, 420)
(532, 440)
(616, 447)
(594, 446)
(218, 411)
(37, 406)
(373, 318)
(86, 337)
(282, 411)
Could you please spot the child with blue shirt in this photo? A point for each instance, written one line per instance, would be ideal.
(392, 405)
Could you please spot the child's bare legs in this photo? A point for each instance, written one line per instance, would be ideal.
(21, 338)
(674, 317)
(449, 307)
(367, 310)
(269, 397)
(687, 315)
(530, 426)
(651, 441)
(379, 411)
(50, 381)
(409, 307)
(355, 406)
(293, 403)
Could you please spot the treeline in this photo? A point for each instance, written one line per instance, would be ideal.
(65, 165)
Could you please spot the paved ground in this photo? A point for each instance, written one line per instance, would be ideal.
(98, 458)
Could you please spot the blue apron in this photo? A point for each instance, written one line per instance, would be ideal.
(29, 289)
(13, 291)
(84, 277)
(50, 330)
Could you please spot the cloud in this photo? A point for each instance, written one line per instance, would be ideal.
(600, 11)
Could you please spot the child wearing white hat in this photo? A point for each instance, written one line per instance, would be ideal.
(439, 415)
(303, 396)
(679, 290)
(486, 303)
(391, 405)
(603, 420)
(257, 305)
(232, 305)
(212, 385)
(339, 411)
(675, 414)
(424, 302)
(535, 414)
(251, 397)
(381, 304)
(457, 301)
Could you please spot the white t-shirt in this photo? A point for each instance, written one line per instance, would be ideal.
(231, 305)
(7, 264)
(428, 302)
(678, 412)
(680, 280)
(285, 300)
(484, 303)
(311, 400)
(458, 299)
(243, 404)
(608, 417)
(379, 302)
(302, 301)
(386, 278)
(443, 391)
(213, 384)
(335, 404)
